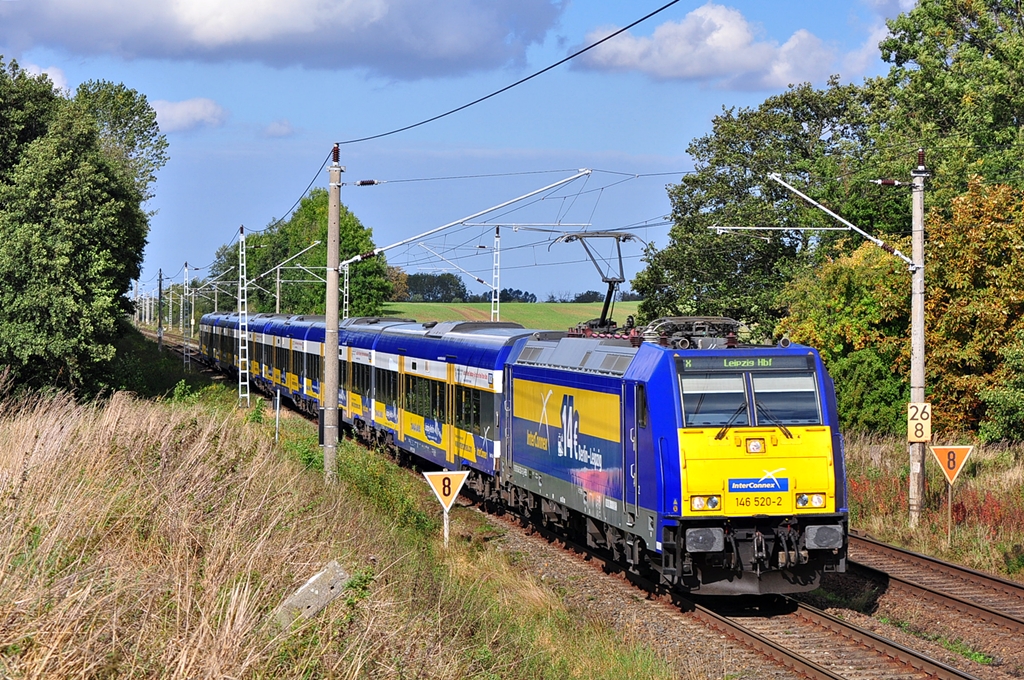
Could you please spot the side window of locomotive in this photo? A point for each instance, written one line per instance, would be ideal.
(641, 406)
(786, 398)
(713, 400)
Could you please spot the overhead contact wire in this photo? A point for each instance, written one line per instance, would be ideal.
(515, 84)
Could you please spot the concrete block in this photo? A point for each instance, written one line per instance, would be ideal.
(312, 597)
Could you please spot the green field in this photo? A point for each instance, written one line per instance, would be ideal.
(544, 315)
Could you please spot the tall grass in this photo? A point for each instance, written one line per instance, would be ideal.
(988, 502)
(144, 539)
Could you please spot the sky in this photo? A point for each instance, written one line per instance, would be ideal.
(252, 94)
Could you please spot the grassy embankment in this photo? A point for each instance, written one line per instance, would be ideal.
(546, 315)
(155, 538)
(988, 502)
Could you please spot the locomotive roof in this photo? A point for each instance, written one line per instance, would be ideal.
(597, 355)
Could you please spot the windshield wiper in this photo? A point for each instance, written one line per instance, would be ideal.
(725, 428)
(774, 419)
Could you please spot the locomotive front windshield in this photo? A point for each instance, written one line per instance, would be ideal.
(714, 400)
(786, 399)
(762, 395)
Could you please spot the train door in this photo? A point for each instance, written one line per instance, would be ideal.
(505, 425)
(400, 404)
(634, 418)
(448, 439)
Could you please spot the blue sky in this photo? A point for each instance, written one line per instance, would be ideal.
(252, 94)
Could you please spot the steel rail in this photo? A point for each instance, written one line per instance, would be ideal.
(751, 639)
(893, 650)
(995, 583)
(957, 604)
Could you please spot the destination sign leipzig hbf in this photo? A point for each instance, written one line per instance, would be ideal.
(741, 363)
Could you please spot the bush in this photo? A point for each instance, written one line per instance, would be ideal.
(870, 397)
(1004, 417)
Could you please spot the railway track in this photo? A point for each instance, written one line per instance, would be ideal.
(799, 637)
(963, 590)
(947, 600)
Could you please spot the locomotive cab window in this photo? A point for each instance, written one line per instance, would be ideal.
(641, 406)
(713, 400)
(786, 399)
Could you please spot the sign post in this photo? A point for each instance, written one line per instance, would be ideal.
(951, 459)
(446, 485)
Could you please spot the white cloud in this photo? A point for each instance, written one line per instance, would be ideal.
(55, 74)
(394, 38)
(189, 114)
(891, 8)
(713, 43)
(279, 128)
(859, 60)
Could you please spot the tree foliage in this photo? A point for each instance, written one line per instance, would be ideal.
(515, 295)
(955, 87)
(974, 308)
(1004, 417)
(301, 292)
(399, 280)
(129, 134)
(975, 296)
(445, 287)
(71, 238)
(812, 137)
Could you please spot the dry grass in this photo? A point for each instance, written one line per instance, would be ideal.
(988, 502)
(143, 539)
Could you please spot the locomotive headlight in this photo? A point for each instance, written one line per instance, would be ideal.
(814, 500)
(705, 502)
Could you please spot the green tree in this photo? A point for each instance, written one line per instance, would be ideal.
(27, 105)
(399, 280)
(71, 239)
(368, 284)
(129, 133)
(817, 139)
(1004, 417)
(436, 287)
(956, 88)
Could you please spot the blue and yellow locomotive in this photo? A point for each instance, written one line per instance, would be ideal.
(717, 468)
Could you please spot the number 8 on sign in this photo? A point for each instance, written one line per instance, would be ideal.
(919, 422)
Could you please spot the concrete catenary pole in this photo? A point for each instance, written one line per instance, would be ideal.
(160, 312)
(330, 386)
(917, 358)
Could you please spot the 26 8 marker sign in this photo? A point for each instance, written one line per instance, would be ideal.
(919, 422)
